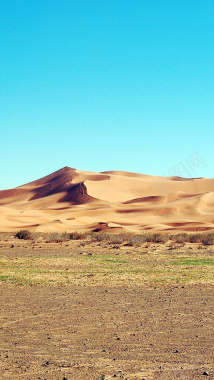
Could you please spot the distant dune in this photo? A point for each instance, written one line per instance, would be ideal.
(75, 200)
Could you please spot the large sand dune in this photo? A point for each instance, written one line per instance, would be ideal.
(74, 200)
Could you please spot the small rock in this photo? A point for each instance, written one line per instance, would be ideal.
(47, 362)
(118, 338)
(205, 373)
(12, 246)
(102, 377)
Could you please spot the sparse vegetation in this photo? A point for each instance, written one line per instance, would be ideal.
(194, 261)
(131, 239)
(127, 238)
(124, 238)
(108, 267)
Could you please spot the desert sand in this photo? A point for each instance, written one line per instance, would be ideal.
(74, 200)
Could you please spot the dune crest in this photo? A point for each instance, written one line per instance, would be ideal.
(72, 200)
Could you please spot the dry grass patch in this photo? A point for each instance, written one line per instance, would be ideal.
(110, 267)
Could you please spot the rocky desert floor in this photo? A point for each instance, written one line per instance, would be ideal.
(97, 310)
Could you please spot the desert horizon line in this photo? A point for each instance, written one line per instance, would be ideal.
(112, 172)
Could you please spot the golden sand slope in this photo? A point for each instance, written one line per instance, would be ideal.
(74, 200)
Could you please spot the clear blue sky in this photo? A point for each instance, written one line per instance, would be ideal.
(105, 85)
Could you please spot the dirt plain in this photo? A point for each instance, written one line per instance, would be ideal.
(84, 310)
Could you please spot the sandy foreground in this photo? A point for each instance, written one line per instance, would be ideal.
(81, 310)
(75, 200)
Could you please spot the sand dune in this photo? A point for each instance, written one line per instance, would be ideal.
(70, 199)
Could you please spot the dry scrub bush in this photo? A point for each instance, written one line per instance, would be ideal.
(136, 240)
(147, 238)
(24, 234)
(97, 237)
(195, 238)
(208, 239)
(55, 237)
(76, 235)
(108, 238)
(180, 237)
(117, 239)
(158, 238)
(127, 238)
